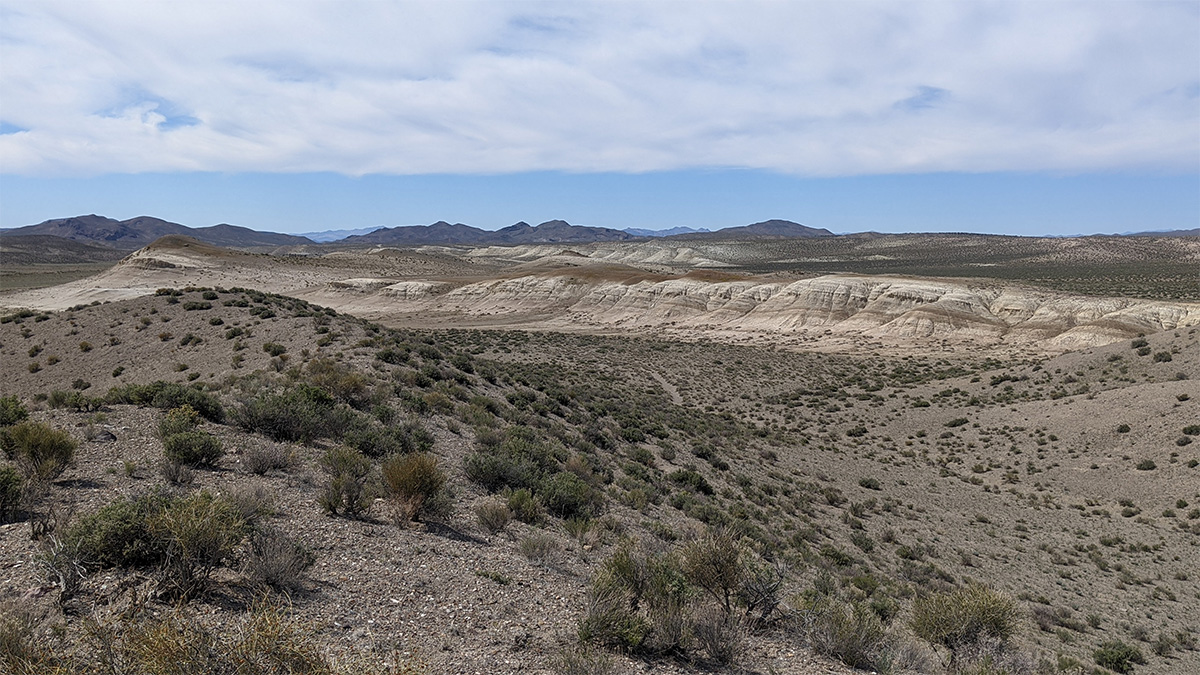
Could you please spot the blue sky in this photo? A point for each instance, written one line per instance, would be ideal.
(1013, 203)
(1017, 117)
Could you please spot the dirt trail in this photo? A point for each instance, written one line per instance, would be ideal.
(668, 387)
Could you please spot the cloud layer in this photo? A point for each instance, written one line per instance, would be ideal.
(809, 88)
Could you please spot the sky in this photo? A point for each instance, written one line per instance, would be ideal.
(1047, 117)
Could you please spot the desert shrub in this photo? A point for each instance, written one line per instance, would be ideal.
(521, 460)
(720, 635)
(12, 411)
(167, 396)
(302, 413)
(340, 381)
(40, 451)
(251, 502)
(692, 480)
(75, 400)
(193, 448)
(609, 621)
(120, 534)
(870, 483)
(1118, 656)
(1146, 465)
(584, 661)
(177, 474)
(274, 349)
(346, 490)
(964, 616)
(715, 563)
(848, 631)
(637, 602)
(174, 642)
(376, 440)
(276, 560)
(200, 532)
(524, 506)
(538, 547)
(178, 420)
(416, 483)
(11, 489)
(1162, 357)
(262, 457)
(20, 649)
(566, 495)
(493, 515)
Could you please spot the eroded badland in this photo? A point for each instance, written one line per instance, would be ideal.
(866, 425)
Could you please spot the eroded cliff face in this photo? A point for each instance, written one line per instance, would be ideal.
(880, 307)
(570, 291)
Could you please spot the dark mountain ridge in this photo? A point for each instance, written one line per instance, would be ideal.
(134, 233)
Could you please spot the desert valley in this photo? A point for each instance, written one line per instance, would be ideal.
(572, 450)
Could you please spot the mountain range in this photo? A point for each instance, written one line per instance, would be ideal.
(132, 234)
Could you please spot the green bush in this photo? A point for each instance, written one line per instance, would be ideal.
(850, 632)
(417, 484)
(566, 495)
(120, 534)
(1118, 656)
(346, 491)
(716, 563)
(524, 506)
(964, 617)
(375, 440)
(178, 420)
(41, 452)
(691, 480)
(870, 483)
(169, 395)
(201, 531)
(11, 487)
(638, 602)
(521, 460)
(193, 448)
(11, 411)
(302, 414)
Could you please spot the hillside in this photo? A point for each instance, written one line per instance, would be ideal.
(442, 233)
(1068, 483)
(134, 233)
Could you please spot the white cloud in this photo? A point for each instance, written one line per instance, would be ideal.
(813, 88)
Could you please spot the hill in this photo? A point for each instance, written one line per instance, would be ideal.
(137, 232)
(44, 249)
(597, 486)
(767, 229)
(443, 233)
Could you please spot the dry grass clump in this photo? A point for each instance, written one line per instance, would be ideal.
(265, 456)
(276, 560)
(494, 515)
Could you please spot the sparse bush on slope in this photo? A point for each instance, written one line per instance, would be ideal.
(40, 451)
